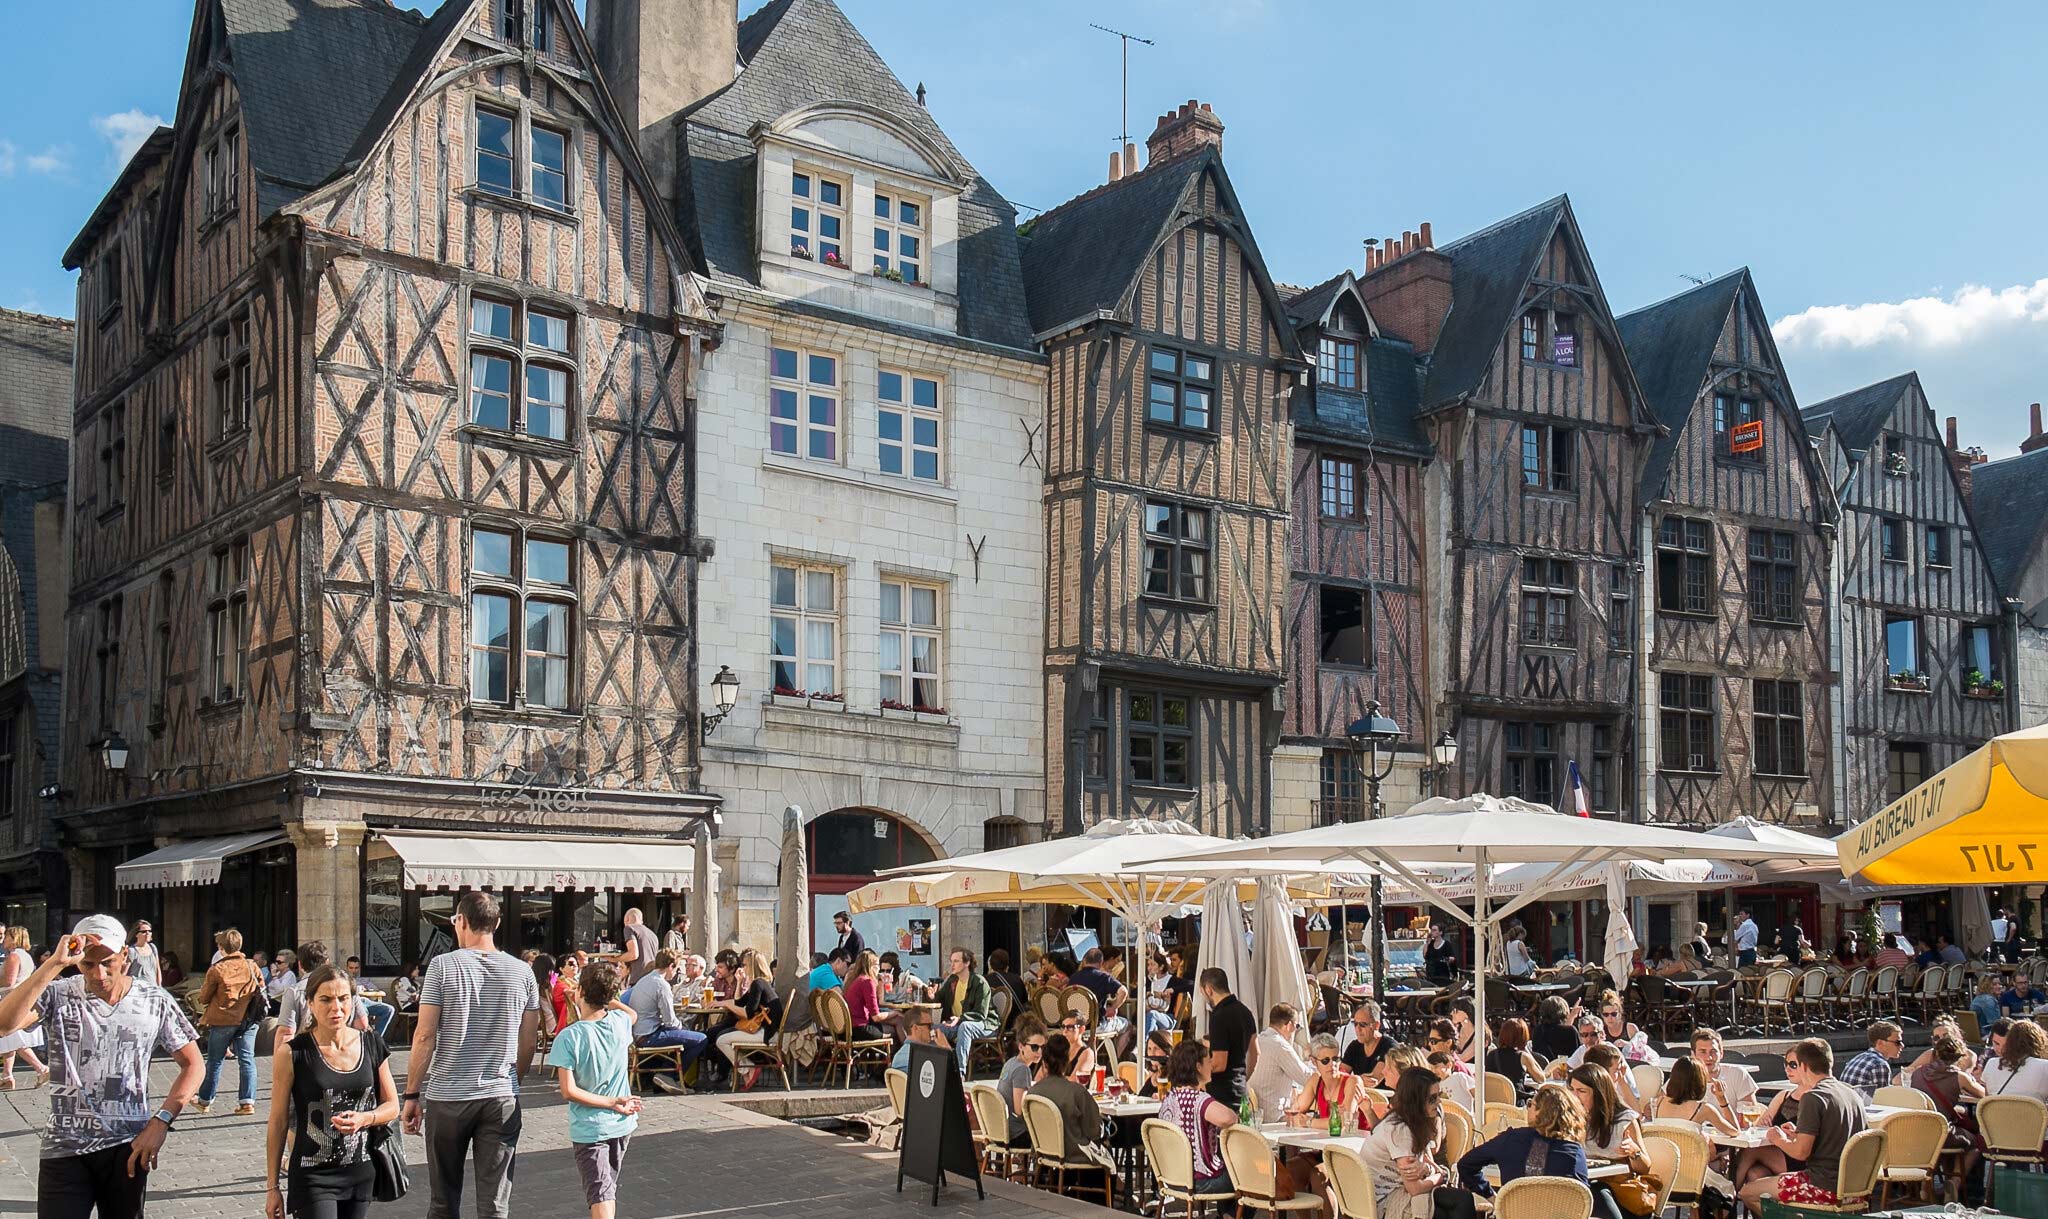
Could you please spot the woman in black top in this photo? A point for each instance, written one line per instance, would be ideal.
(333, 1083)
(1553, 1035)
(1508, 1057)
(1702, 951)
(753, 992)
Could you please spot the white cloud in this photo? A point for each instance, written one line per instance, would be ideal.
(48, 161)
(126, 131)
(1921, 322)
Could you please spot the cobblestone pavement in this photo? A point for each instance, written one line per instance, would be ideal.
(692, 1156)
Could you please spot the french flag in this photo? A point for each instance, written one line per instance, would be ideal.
(1579, 804)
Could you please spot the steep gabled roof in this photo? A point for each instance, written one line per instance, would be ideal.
(1671, 346)
(155, 148)
(1859, 415)
(313, 76)
(1083, 256)
(1309, 306)
(800, 53)
(1488, 272)
(2009, 502)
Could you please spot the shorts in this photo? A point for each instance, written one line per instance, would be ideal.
(1794, 1189)
(600, 1163)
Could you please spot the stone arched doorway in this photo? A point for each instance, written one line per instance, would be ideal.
(846, 849)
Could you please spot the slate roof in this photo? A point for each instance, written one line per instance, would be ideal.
(1671, 345)
(2009, 502)
(1083, 255)
(1383, 416)
(1306, 306)
(153, 149)
(1488, 271)
(313, 76)
(1859, 415)
(799, 53)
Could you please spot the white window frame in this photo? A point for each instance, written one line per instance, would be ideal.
(804, 390)
(811, 234)
(905, 629)
(227, 622)
(802, 615)
(524, 356)
(524, 168)
(889, 232)
(521, 590)
(908, 414)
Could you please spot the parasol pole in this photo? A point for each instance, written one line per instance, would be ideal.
(1481, 921)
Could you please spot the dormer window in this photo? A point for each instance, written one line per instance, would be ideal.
(1550, 336)
(899, 236)
(512, 24)
(817, 218)
(1337, 363)
(535, 168)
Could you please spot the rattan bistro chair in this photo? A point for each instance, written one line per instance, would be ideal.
(993, 1116)
(1682, 1187)
(2013, 1127)
(1255, 1174)
(835, 1021)
(1543, 1198)
(1857, 1179)
(1892, 1096)
(1351, 1183)
(1050, 1153)
(1173, 1166)
(1913, 1145)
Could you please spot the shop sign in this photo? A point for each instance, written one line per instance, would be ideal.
(534, 802)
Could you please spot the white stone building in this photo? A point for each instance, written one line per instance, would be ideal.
(869, 468)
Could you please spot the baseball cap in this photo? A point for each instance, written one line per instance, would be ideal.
(112, 937)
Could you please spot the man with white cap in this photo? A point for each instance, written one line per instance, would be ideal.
(101, 1027)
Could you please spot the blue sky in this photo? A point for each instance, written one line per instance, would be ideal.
(1882, 168)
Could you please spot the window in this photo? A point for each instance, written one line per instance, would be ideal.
(1621, 627)
(1731, 412)
(803, 629)
(1564, 340)
(113, 457)
(1530, 762)
(1686, 721)
(817, 218)
(1980, 658)
(1161, 736)
(160, 706)
(1895, 455)
(1905, 769)
(227, 620)
(109, 656)
(908, 427)
(1548, 588)
(1604, 794)
(167, 448)
(1183, 388)
(1562, 330)
(910, 658)
(803, 404)
(1937, 547)
(1546, 457)
(1176, 551)
(232, 387)
(1902, 646)
(517, 158)
(1095, 765)
(1343, 787)
(1345, 626)
(1685, 565)
(512, 20)
(1773, 576)
(221, 165)
(1532, 335)
(110, 284)
(521, 603)
(1337, 363)
(520, 364)
(1891, 539)
(1338, 477)
(899, 236)
(1778, 730)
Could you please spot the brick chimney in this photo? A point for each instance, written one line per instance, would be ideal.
(1407, 286)
(2035, 439)
(658, 57)
(1963, 460)
(1186, 129)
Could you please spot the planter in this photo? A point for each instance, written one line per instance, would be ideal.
(827, 704)
(1983, 692)
(1908, 685)
(788, 700)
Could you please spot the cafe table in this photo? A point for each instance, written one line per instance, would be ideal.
(1129, 1114)
(1752, 1137)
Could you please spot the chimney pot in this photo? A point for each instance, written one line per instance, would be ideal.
(1427, 242)
(1116, 165)
(1951, 433)
(1130, 158)
(2035, 409)
(1183, 130)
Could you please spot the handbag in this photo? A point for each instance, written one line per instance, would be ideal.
(387, 1160)
(1638, 1193)
(1450, 1202)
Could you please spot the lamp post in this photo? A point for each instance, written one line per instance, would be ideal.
(725, 691)
(114, 753)
(1442, 756)
(1368, 734)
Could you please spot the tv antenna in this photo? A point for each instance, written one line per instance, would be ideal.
(1127, 40)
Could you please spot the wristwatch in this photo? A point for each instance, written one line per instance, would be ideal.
(166, 1117)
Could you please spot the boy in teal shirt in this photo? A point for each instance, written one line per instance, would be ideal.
(591, 1059)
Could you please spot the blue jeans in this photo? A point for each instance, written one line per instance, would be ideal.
(242, 1039)
(1746, 957)
(962, 1034)
(693, 1042)
(1158, 1022)
(381, 1015)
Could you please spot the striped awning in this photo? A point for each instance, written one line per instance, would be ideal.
(436, 861)
(189, 863)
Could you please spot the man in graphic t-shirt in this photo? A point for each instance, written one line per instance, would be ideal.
(100, 1028)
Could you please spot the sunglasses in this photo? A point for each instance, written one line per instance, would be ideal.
(1439, 1041)
(1073, 1028)
(1791, 1062)
(1326, 1062)
(1361, 1024)
(1034, 1045)
(1589, 1035)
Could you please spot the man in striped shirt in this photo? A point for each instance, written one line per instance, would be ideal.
(485, 1005)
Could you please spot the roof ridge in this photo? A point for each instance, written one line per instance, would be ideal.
(37, 319)
(1095, 192)
(1817, 408)
(1554, 202)
(1680, 295)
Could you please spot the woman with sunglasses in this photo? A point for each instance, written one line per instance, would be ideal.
(1633, 1043)
(1401, 1151)
(1080, 1059)
(1332, 1089)
(1021, 1072)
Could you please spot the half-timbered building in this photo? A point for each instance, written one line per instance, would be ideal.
(870, 433)
(1354, 601)
(2009, 501)
(1922, 662)
(1738, 528)
(384, 554)
(1531, 570)
(1168, 469)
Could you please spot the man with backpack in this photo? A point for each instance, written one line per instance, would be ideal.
(233, 996)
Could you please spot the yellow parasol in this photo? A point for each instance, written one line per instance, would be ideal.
(1982, 821)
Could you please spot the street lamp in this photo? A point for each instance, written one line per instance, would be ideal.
(725, 691)
(1442, 756)
(1369, 734)
(114, 752)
